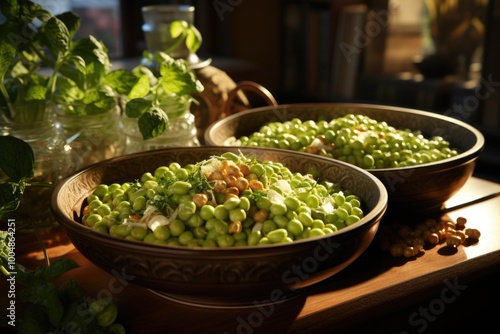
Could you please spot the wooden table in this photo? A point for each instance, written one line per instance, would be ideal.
(440, 290)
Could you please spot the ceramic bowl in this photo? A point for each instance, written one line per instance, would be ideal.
(419, 189)
(220, 277)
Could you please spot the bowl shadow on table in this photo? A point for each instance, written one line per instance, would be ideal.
(258, 319)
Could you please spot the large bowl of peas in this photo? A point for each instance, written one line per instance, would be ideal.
(422, 158)
(221, 226)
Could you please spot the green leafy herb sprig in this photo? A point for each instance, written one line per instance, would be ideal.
(145, 90)
(47, 307)
(40, 61)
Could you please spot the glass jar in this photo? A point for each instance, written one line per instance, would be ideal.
(181, 129)
(93, 137)
(53, 161)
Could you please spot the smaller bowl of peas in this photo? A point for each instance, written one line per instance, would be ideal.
(221, 226)
(422, 158)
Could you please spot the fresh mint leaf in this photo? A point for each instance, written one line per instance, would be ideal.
(17, 159)
(136, 107)
(7, 55)
(71, 21)
(121, 80)
(97, 102)
(36, 92)
(55, 35)
(141, 88)
(193, 40)
(153, 123)
(74, 69)
(186, 31)
(176, 78)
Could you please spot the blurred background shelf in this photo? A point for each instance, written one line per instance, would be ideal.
(362, 51)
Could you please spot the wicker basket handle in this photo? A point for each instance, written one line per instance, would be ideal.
(232, 108)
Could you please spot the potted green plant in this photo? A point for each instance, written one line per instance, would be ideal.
(41, 305)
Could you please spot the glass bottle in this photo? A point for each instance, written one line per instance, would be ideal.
(92, 137)
(53, 161)
(210, 104)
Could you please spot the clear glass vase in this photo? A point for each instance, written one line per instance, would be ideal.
(93, 137)
(54, 160)
(181, 130)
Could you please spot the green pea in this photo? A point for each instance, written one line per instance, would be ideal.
(268, 226)
(277, 235)
(278, 209)
(92, 219)
(150, 238)
(313, 201)
(220, 212)
(207, 212)
(232, 203)
(351, 219)
(237, 215)
(104, 210)
(186, 210)
(95, 204)
(225, 240)
(185, 237)
(292, 203)
(263, 203)
(305, 218)
(316, 232)
(174, 166)
(209, 243)
(122, 230)
(177, 227)
(100, 227)
(100, 190)
(254, 238)
(161, 232)
(195, 221)
(318, 224)
(295, 227)
(138, 232)
(150, 184)
(221, 227)
(135, 194)
(160, 171)
(341, 213)
(146, 176)
(281, 221)
(182, 174)
(180, 187)
(230, 156)
(357, 211)
(244, 203)
(139, 203)
(258, 169)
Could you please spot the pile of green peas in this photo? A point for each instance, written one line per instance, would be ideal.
(227, 200)
(356, 139)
